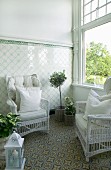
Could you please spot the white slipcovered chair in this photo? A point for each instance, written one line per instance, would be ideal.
(24, 99)
(93, 122)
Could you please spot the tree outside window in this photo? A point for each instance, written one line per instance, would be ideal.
(98, 54)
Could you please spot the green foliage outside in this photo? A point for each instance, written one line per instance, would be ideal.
(98, 63)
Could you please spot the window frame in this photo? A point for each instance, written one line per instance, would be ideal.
(91, 25)
(78, 30)
(91, 11)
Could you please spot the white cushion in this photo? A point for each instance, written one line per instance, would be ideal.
(93, 93)
(95, 107)
(17, 100)
(11, 88)
(18, 89)
(19, 81)
(35, 81)
(29, 99)
(81, 124)
(28, 81)
(101, 98)
(105, 97)
(32, 115)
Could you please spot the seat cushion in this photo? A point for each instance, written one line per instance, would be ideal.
(32, 115)
(81, 124)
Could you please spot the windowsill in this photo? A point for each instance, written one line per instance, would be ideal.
(89, 86)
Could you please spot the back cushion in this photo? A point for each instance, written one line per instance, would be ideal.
(95, 107)
(29, 98)
(15, 82)
(19, 81)
(11, 88)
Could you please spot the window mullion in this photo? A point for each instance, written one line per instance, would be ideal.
(95, 14)
(83, 12)
(77, 41)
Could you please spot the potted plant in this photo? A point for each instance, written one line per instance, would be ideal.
(7, 125)
(70, 111)
(57, 79)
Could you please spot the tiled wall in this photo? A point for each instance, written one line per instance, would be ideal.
(21, 58)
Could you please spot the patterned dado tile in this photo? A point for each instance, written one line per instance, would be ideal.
(21, 58)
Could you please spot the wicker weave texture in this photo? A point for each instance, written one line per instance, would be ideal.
(98, 133)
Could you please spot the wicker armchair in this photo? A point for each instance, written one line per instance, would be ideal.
(95, 132)
(33, 119)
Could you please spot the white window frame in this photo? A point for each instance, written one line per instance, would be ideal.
(78, 39)
(100, 21)
(96, 10)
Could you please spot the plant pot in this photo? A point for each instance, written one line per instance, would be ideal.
(69, 120)
(59, 114)
(2, 150)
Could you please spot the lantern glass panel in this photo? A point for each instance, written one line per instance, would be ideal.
(13, 158)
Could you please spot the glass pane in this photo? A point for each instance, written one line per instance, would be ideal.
(102, 11)
(102, 2)
(13, 160)
(86, 1)
(87, 9)
(94, 5)
(93, 15)
(86, 19)
(98, 54)
(108, 0)
(109, 8)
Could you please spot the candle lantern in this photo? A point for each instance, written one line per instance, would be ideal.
(14, 151)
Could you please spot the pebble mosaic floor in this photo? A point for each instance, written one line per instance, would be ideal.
(59, 150)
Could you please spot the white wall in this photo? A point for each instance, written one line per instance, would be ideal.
(19, 58)
(39, 20)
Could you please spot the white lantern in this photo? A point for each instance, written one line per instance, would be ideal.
(14, 150)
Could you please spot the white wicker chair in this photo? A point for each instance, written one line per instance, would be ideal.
(37, 120)
(95, 138)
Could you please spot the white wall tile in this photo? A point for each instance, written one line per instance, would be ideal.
(18, 58)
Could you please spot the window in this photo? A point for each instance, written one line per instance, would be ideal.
(98, 54)
(96, 42)
(94, 9)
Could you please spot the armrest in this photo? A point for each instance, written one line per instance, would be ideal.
(80, 106)
(99, 127)
(103, 120)
(13, 106)
(45, 105)
(100, 117)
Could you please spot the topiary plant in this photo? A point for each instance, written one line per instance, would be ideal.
(57, 79)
